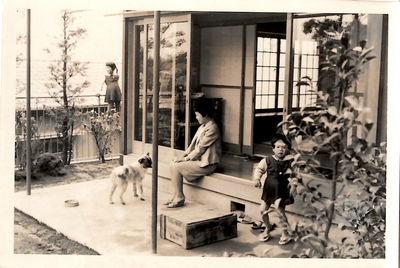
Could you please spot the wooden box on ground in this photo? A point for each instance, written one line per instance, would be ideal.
(197, 227)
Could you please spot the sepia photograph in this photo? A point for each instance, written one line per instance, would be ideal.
(144, 135)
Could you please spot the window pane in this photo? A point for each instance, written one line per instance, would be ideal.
(258, 87)
(172, 99)
(281, 87)
(295, 74)
(267, 44)
(273, 60)
(259, 59)
(283, 45)
(265, 74)
(258, 102)
(140, 85)
(294, 101)
(309, 73)
(303, 61)
(295, 88)
(149, 89)
(280, 101)
(265, 59)
(264, 102)
(302, 101)
(259, 73)
(260, 44)
(271, 88)
(272, 73)
(265, 86)
(282, 60)
(271, 102)
(310, 62)
(303, 73)
(274, 44)
(268, 75)
(308, 100)
(181, 44)
(166, 66)
(315, 74)
(281, 74)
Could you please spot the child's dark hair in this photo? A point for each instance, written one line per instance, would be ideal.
(205, 107)
(279, 136)
(112, 66)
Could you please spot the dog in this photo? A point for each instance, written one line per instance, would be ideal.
(120, 177)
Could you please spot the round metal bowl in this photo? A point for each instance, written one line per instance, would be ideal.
(71, 203)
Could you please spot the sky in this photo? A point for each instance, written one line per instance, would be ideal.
(101, 43)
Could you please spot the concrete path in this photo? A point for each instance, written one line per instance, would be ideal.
(126, 230)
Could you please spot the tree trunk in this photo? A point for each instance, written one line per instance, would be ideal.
(65, 97)
(99, 149)
(103, 159)
(333, 197)
(65, 140)
(70, 142)
(336, 159)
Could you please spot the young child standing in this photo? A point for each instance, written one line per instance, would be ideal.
(275, 168)
(113, 92)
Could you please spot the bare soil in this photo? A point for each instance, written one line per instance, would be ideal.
(33, 237)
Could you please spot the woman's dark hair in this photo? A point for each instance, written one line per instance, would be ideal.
(112, 66)
(279, 136)
(205, 107)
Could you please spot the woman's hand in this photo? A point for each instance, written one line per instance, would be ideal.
(181, 159)
(257, 183)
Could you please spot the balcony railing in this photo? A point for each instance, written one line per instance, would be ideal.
(47, 140)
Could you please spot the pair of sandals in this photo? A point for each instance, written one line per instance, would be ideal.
(282, 241)
(175, 204)
(265, 236)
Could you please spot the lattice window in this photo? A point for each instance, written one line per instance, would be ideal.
(271, 53)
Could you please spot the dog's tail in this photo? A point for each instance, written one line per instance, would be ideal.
(124, 175)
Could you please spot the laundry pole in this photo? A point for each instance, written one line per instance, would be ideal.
(28, 105)
(156, 85)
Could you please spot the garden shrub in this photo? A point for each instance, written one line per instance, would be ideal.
(49, 164)
(105, 128)
(339, 125)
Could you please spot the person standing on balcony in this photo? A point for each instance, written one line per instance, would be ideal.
(276, 171)
(113, 92)
(201, 157)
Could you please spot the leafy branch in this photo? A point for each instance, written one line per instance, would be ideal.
(337, 126)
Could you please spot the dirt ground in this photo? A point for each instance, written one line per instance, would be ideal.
(33, 237)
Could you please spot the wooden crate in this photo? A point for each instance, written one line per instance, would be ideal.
(191, 229)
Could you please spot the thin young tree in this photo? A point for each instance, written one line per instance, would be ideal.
(66, 82)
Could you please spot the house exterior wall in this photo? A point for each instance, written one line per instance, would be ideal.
(221, 55)
(370, 80)
(220, 77)
(220, 65)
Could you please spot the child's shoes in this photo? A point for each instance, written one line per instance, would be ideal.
(285, 239)
(264, 237)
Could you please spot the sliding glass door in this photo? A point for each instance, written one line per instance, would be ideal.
(173, 82)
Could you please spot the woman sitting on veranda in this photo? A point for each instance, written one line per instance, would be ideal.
(201, 157)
